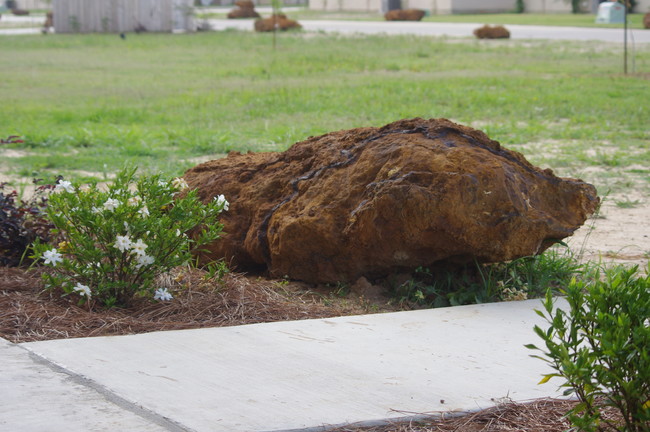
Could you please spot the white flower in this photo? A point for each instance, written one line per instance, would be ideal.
(52, 257)
(111, 204)
(144, 211)
(180, 183)
(64, 185)
(221, 200)
(83, 290)
(162, 294)
(95, 210)
(144, 260)
(138, 247)
(123, 243)
(162, 183)
(178, 232)
(134, 201)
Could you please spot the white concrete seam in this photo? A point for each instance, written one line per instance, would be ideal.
(108, 395)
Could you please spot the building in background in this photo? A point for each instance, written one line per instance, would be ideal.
(120, 16)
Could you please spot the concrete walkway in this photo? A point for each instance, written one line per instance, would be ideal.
(285, 376)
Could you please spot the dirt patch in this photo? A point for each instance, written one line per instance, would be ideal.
(11, 153)
(616, 235)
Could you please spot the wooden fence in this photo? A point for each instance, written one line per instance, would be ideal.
(118, 16)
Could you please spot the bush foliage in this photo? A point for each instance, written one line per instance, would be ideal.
(601, 348)
(21, 223)
(115, 242)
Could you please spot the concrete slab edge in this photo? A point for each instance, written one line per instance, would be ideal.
(382, 422)
(108, 395)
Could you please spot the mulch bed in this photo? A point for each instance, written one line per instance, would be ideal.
(27, 313)
(543, 415)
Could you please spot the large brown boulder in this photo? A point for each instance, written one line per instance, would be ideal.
(244, 9)
(373, 201)
(279, 21)
(488, 32)
(404, 15)
(245, 4)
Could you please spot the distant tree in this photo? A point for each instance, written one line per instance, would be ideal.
(520, 6)
(630, 4)
(576, 6)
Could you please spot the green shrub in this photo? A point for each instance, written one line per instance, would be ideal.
(520, 7)
(523, 278)
(601, 348)
(116, 241)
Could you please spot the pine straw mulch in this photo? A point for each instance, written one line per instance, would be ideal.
(27, 313)
(542, 415)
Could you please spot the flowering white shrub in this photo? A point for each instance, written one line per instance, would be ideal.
(116, 242)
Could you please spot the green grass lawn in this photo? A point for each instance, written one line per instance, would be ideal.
(91, 103)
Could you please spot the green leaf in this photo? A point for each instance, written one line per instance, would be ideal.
(547, 378)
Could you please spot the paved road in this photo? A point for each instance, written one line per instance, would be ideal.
(452, 29)
(425, 29)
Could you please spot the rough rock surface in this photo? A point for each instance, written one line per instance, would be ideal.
(488, 32)
(646, 20)
(279, 20)
(244, 9)
(404, 15)
(374, 201)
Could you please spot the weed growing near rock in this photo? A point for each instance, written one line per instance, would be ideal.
(523, 278)
(115, 242)
(601, 347)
